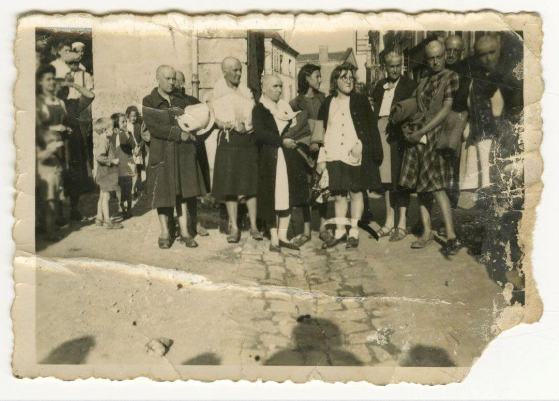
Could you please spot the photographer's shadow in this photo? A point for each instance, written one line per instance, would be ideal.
(316, 343)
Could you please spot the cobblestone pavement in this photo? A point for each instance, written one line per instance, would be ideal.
(382, 303)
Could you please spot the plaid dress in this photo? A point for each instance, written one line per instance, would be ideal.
(423, 168)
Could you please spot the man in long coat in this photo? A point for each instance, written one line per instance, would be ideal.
(175, 175)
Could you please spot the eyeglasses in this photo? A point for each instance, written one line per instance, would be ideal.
(346, 78)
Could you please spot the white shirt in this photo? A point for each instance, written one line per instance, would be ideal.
(61, 68)
(387, 98)
(340, 136)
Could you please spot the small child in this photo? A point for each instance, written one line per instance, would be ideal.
(126, 167)
(134, 126)
(106, 171)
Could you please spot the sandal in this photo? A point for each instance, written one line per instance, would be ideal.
(422, 243)
(451, 247)
(385, 232)
(301, 240)
(398, 234)
(325, 235)
(99, 222)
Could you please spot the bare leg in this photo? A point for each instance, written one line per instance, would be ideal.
(183, 218)
(274, 236)
(119, 198)
(252, 212)
(163, 214)
(340, 208)
(232, 209)
(283, 224)
(446, 210)
(105, 206)
(402, 220)
(357, 206)
(389, 222)
(307, 221)
(100, 207)
(323, 213)
(425, 217)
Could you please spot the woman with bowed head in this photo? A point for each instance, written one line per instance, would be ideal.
(352, 152)
(283, 170)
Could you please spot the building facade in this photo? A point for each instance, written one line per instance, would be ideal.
(327, 62)
(281, 59)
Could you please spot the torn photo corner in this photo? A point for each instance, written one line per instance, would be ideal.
(357, 202)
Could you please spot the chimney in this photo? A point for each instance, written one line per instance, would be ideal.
(322, 54)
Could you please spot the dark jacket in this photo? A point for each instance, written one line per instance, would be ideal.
(269, 141)
(403, 91)
(176, 168)
(299, 103)
(366, 126)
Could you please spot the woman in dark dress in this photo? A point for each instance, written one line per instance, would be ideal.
(352, 151)
(236, 159)
(283, 180)
(310, 100)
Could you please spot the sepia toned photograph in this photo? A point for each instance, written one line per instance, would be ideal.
(339, 198)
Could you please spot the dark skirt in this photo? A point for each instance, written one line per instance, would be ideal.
(343, 177)
(236, 166)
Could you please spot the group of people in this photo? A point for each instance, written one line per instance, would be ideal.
(63, 129)
(274, 155)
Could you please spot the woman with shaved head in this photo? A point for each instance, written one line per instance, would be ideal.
(236, 159)
(283, 171)
(424, 169)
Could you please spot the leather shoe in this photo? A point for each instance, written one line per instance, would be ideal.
(352, 242)
(332, 242)
(189, 242)
(288, 245)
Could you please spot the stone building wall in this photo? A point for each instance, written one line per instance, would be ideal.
(125, 65)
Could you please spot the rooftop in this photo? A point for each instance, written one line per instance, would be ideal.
(332, 56)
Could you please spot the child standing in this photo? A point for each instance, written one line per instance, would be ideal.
(106, 171)
(125, 147)
(134, 127)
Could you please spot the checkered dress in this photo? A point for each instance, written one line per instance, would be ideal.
(423, 168)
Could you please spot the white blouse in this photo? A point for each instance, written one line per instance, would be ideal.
(340, 136)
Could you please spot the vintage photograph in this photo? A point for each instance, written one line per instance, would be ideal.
(210, 197)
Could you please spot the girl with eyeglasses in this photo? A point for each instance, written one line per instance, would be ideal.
(352, 152)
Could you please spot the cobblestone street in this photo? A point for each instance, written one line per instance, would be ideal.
(380, 304)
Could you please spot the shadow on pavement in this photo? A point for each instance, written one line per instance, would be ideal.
(424, 356)
(316, 342)
(207, 358)
(72, 352)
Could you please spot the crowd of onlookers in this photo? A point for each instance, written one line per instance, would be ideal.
(72, 152)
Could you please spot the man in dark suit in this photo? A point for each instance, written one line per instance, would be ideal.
(389, 91)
